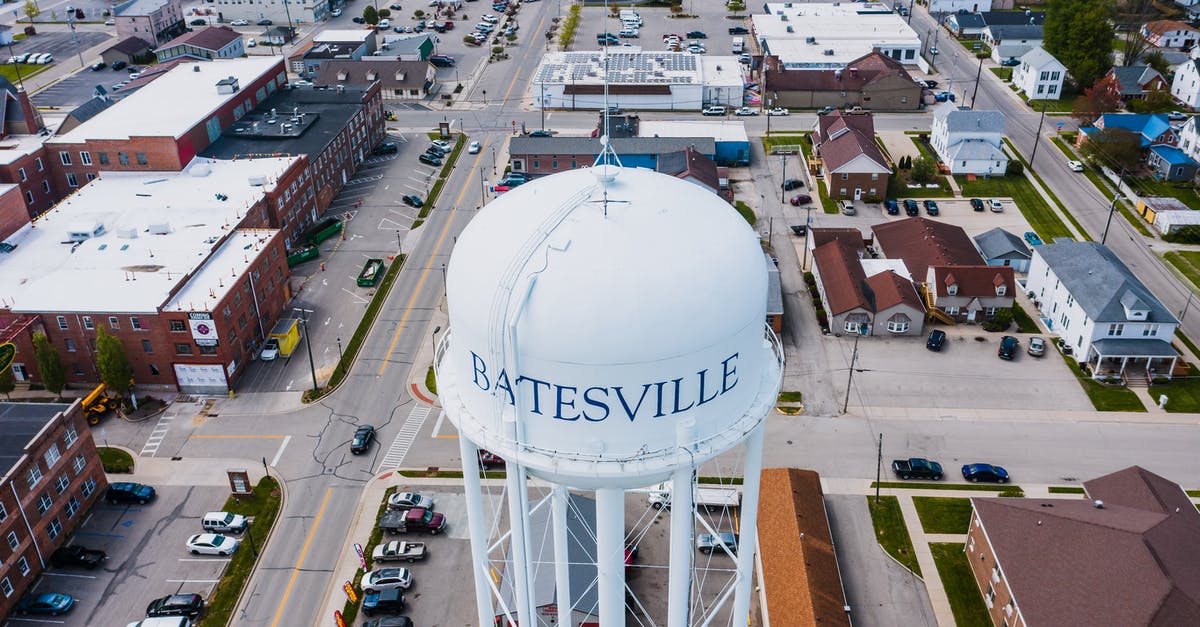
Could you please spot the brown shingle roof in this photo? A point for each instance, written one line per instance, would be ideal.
(799, 566)
(891, 289)
(842, 277)
(211, 38)
(689, 163)
(390, 73)
(921, 243)
(1068, 562)
(868, 69)
(129, 45)
(842, 137)
(821, 236)
(1159, 27)
(974, 280)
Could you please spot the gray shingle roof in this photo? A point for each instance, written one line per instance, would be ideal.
(1000, 244)
(965, 120)
(1038, 57)
(1099, 281)
(622, 145)
(774, 292)
(21, 422)
(1023, 31)
(89, 109)
(581, 551)
(976, 150)
(1131, 78)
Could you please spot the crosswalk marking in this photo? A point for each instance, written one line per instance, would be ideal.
(157, 436)
(399, 448)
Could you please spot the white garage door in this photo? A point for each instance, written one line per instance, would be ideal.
(197, 378)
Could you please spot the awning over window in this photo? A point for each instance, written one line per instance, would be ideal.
(1133, 348)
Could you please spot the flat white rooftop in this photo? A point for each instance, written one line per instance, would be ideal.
(718, 71)
(342, 35)
(806, 34)
(14, 147)
(209, 284)
(636, 68)
(719, 130)
(175, 102)
(156, 229)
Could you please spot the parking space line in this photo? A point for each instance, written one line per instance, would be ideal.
(50, 574)
(408, 433)
(191, 580)
(98, 534)
(287, 592)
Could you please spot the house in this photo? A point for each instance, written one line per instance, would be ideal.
(408, 48)
(277, 35)
(873, 81)
(1149, 207)
(972, 25)
(855, 166)
(1171, 164)
(214, 42)
(340, 44)
(688, 164)
(1185, 87)
(875, 303)
(730, 140)
(1039, 75)
(1154, 129)
(1104, 313)
(1012, 41)
(969, 142)
(1045, 561)
(971, 293)
(1169, 34)
(1189, 138)
(921, 243)
(818, 236)
(155, 21)
(398, 80)
(1001, 248)
(799, 574)
(128, 50)
(1134, 81)
(537, 156)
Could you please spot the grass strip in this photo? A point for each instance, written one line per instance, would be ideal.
(963, 593)
(569, 25)
(1025, 324)
(1187, 342)
(262, 507)
(791, 397)
(746, 212)
(431, 380)
(115, 460)
(1187, 262)
(970, 487)
(891, 533)
(827, 203)
(1004, 73)
(940, 514)
(1054, 489)
(24, 69)
(1194, 494)
(1183, 394)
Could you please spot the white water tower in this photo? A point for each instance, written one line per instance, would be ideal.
(607, 332)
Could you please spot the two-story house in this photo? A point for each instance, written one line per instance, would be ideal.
(969, 142)
(1012, 42)
(153, 21)
(1186, 85)
(1040, 75)
(1169, 34)
(1133, 81)
(1189, 138)
(864, 296)
(971, 293)
(855, 166)
(1103, 313)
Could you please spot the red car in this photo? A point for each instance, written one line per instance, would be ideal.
(801, 199)
(488, 459)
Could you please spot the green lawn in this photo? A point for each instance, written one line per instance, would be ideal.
(965, 600)
(1025, 324)
(1187, 342)
(941, 514)
(1183, 394)
(791, 397)
(827, 204)
(1040, 216)
(1185, 192)
(1187, 262)
(1065, 490)
(262, 507)
(919, 485)
(1105, 397)
(746, 212)
(10, 72)
(115, 460)
(891, 533)
(1065, 105)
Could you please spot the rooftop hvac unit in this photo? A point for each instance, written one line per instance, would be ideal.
(127, 232)
(159, 228)
(792, 30)
(81, 231)
(810, 40)
(783, 18)
(257, 180)
(828, 53)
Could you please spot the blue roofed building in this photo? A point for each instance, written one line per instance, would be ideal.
(1171, 164)
(1153, 128)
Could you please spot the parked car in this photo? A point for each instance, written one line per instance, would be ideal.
(984, 472)
(429, 159)
(707, 542)
(240, 23)
(96, 67)
(224, 522)
(628, 33)
(386, 148)
(488, 459)
(361, 442)
(891, 207)
(473, 148)
(995, 206)
(264, 22)
(697, 34)
(847, 207)
(413, 200)
(910, 208)
(78, 555)
(357, 19)
(198, 22)
(929, 84)
(739, 30)
(1010, 62)
(386, 579)
(1008, 347)
(211, 544)
(442, 60)
(778, 111)
(977, 204)
(392, 621)
(336, 13)
(714, 110)
(917, 468)
(933, 52)
(409, 500)
(127, 492)
(119, 65)
(45, 603)
(937, 339)
(746, 111)
(1177, 116)
(189, 605)
(270, 350)
(790, 184)
(1033, 238)
(800, 199)
(931, 207)
(1037, 347)
(389, 601)
(436, 151)
(1075, 166)
(398, 550)
(541, 132)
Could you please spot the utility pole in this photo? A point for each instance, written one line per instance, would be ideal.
(978, 73)
(1112, 208)
(71, 24)
(308, 345)
(1186, 305)
(807, 226)
(782, 191)
(853, 361)
(878, 466)
(910, 10)
(1037, 136)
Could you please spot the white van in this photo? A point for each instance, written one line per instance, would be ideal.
(739, 44)
(384, 24)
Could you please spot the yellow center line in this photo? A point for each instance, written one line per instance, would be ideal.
(230, 437)
(300, 562)
(516, 75)
(424, 274)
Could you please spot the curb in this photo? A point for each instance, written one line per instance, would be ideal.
(262, 551)
(118, 447)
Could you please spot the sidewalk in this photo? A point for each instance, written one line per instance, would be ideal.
(933, 582)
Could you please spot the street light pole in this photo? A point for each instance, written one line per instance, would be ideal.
(399, 245)
(433, 341)
(782, 191)
(308, 345)
(482, 187)
(853, 361)
(339, 343)
(493, 160)
(74, 37)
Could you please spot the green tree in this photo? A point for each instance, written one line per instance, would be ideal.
(7, 382)
(50, 365)
(384, 13)
(1154, 102)
(1156, 60)
(114, 367)
(1117, 148)
(31, 10)
(1079, 33)
(923, 169)
(370, 15)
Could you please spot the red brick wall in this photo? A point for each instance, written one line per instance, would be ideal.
(34, 178)
(982, 561)
(862, 181)
(13, 214)
(90, 470)
(545, 163)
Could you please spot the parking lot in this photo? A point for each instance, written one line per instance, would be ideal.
(146, 557)
(76, 89)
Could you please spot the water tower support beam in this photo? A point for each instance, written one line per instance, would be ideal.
(679, 586)
(478, 535)
(518, 516)
(748, 540)
(562, 557)
(610, 555)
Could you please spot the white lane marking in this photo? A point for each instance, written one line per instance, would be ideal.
(48, 574)
(279, 453)
(399, 448)
(437, 424)
(191, 580)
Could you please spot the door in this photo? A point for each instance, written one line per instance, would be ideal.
(19, 372)
(857, 193)
(971, 315)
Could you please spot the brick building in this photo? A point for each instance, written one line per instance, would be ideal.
(21, 160)
(12, 210)
(857, 168)
(155, 21)
(183, 268)
(52, 476)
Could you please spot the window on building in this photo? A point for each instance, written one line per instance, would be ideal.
(123, 158)
(1116, 329)
(65, 157)
(89, 486)
(33, 476)
(21, 173)
(23, 565)
(87, 323)
(845, 176)
(72, 506)
(62, 322)
(177, 326)
(28, 197)
(898, 327)
(1150, 330)
(77, 369)
(61, 484)
(52, 456)
(910, 54)
(53, 528)
(70, 344)
(990, 597)
(953, 311)
(1054, 76)
(44, 503)
(1041, 89)
(85, 157)
(952, 289)
(13, 540)
(183, 348)
(3, 513)
(141, 158)
(103, 157)
(40, 166)
(79, 464)
(46, 186)
(113, 323)
(535, 164)
(135, 323)
(1001, 289)
(72, 180)
(6, 587)
(1053, 89)
(146, 347)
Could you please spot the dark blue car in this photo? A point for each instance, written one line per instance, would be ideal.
(46, 603)
(985, 472)
(893, 209)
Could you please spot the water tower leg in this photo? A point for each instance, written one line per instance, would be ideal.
(679, 585)
(518, 516)
(610, 555)
(562, 558)
(478, 534)
(748, 540)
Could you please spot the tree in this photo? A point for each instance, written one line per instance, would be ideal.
(384, 13)
(1117, 148)
(1079, 33)
(923, 169)
(31, 10)
(50, 365)
(370, 15)
(114, 367)
(7, 382)
(1102, 97)
(1156, 60)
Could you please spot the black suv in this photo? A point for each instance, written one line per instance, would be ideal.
(910, 208)
(791, 184)
(390, 601)
(931, 207)
(442, 60)
(189, 605)
(739, 30)
(429, 159)
(78, 555)
(1008, 347)
(937, 339)
(124, 492)
(386, 148)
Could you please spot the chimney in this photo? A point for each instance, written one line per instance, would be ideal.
(29, 114)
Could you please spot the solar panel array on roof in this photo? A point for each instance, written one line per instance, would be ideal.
(628, 68)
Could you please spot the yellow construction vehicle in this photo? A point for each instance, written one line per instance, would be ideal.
(99, 402)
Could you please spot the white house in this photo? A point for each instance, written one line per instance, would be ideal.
(1189, 139)
(1040, 75)
(954, 6)
(1012, 41)
(1169, 34)
(969, 142)
(1186, 86)
(1107, 317)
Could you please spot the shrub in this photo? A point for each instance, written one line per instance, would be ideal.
(1015, 168)
(809, 279)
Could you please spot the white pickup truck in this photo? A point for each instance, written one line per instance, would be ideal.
(717, 497)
